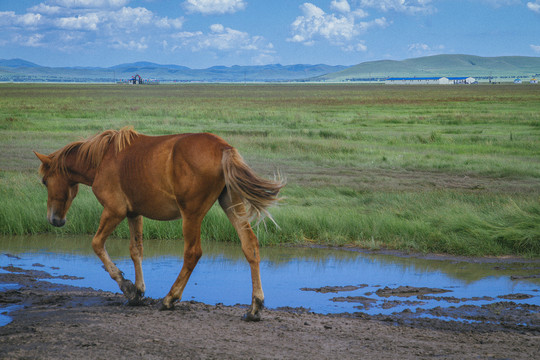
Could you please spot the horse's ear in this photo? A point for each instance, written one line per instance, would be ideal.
(44, 158)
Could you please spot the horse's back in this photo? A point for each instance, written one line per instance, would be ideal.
(198, 150)
(170, 171)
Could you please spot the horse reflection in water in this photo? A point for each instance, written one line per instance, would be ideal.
(163, 178)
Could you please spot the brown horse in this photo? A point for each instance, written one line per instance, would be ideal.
(164, 178)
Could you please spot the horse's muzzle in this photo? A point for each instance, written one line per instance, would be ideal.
(58, 222)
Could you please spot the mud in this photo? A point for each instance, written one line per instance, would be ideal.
(335, 289)
(52, 321)
(407, 291)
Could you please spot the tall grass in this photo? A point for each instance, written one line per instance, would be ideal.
(432, 169)
(435, 221)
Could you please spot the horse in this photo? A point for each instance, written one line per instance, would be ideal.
(163, 178)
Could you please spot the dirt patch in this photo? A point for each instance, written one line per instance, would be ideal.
(365, 301)
(400, 179)
(59, 321)
(453, 299)
(388, 304)
(335, 289)
(407, 291)
(515, 296)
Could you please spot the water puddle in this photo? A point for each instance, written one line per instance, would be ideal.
(319, 280)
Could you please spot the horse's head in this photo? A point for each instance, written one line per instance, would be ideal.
(61, 191)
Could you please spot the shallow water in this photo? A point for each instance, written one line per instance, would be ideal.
(222, 275)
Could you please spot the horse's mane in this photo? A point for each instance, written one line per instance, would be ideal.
(92, 150)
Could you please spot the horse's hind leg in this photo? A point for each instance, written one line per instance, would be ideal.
(136, 251)
(250, 247)
(191, 228)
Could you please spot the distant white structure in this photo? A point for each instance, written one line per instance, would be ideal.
(462, 80)
(517, 81)
(430, 80)
(534, 81)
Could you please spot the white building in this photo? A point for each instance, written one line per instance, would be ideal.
(430, 80)
(461, 80)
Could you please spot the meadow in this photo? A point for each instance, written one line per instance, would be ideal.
(440, 169)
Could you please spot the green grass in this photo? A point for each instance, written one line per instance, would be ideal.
(425, 168)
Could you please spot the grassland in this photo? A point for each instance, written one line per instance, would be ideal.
(422, 168)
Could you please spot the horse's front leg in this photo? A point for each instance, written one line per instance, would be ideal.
(107, 224)
(136, 251)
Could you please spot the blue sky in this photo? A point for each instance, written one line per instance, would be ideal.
(204, 33)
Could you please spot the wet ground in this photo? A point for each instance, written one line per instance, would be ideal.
(320, 280)
(52, 321)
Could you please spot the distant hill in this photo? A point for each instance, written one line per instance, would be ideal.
(20, 71)
(147, 65)
(15, 63)
(503, 67)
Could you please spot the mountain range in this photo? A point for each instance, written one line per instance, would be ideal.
(21, 70)
(504, 67)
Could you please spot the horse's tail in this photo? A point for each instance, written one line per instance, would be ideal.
(256, 193)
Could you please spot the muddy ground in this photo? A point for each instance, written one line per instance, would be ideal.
(57, 321)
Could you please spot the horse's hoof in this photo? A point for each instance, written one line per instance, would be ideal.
(129, 290)
(249, 317)
(138, 301)
(165, 307)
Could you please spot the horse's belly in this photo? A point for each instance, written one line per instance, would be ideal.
(159, 210)
(164, 215)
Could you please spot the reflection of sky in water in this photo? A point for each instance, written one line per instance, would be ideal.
(223, 276)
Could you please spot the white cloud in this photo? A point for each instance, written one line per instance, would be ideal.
(90, 19)
(311, 10)
(424, 49)
(535, 48)
(340, 5)
(84, 22)
(6, 18)
(534, 6)
(338, 29)
(218, 28)
(130, 18)
(222, 38)
(90, 4)
(359, 47)
(410, 7)
(379, 22)
(33, 40)
(29, 20)
(315, 22)
(418, 47)
(77, 24)
(45, 9)
(499, 3)
(138, 45)
(263, 59)
(359, 13)
(214, 6)
(167, 23)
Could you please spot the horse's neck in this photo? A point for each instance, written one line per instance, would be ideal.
(80, 172)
